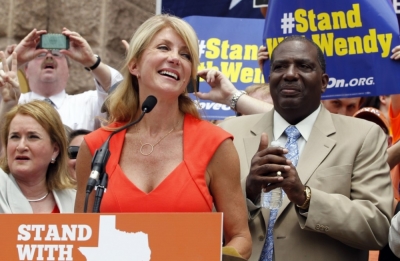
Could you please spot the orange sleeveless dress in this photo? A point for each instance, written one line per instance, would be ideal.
(183, 190)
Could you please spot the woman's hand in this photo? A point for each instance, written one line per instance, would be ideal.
(222, 90)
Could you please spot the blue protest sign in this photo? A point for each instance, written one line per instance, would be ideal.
(222, 33)
(231, 46)
(356, 38)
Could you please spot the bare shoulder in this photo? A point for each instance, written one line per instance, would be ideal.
(224, 157)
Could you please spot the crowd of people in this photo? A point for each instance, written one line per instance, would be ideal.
(339, 175)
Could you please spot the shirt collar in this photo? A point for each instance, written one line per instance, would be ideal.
(56, 99)
(304, 127)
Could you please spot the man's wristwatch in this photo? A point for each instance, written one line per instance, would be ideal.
(95, 65)
(235, 99)
(306, 203)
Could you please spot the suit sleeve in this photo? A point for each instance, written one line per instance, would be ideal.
(361, 220)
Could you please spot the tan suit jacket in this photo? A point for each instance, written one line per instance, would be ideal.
(12, 201)
(344, 164)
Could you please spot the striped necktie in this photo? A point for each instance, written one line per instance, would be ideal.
(293, 135)
(49, 101)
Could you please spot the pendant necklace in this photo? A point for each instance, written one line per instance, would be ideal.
(151, 147)
(39, 199)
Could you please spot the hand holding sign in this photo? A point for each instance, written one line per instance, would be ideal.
(355, 37)
(262, 56)
(396, 53)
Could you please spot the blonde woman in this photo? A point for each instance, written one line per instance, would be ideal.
(34, 174)
(172, 161)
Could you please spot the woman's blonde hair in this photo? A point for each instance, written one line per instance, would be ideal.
(57, 176)
(264, 87)
(123, 103)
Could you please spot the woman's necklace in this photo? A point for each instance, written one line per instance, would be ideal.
(39, 199)
(144, 145)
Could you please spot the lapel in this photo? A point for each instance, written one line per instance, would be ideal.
(317, 148)
(252, 142)
(18, 202)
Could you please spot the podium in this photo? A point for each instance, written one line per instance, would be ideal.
(122, 236)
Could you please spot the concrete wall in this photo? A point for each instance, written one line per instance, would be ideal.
(103, 23)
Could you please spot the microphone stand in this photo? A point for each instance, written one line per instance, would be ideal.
(100, 189)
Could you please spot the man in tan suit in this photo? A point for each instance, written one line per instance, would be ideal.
(338, 201)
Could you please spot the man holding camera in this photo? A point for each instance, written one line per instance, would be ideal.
(47, 72)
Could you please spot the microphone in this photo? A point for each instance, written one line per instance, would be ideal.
(149, 104)
(101, 155)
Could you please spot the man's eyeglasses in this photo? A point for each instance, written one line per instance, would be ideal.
(54, 53)
(73, 151)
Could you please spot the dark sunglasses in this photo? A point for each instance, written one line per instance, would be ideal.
(73, 151)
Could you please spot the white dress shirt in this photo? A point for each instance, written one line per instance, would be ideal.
(304, 127)
(280, 125)
(79, 111)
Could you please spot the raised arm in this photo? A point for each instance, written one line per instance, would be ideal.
(9, 84)
(26, 49)
(222, 91)
(81, 52)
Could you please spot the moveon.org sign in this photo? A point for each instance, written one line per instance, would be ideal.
(333, 82)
